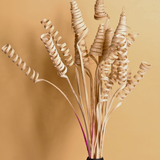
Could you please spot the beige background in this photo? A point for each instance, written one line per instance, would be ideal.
(36, 123)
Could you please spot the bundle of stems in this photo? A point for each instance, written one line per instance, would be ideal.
(109, 53)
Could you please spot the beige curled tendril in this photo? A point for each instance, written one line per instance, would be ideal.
(66, 53)
(132, 83)
(100, 10)
(7, 49)
(79, 28)
(57, 62)
(97, 46)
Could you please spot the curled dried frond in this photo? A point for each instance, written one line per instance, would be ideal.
(99, 9)
(79, 28)
(66, 53)
(7, 49)
(77, 21)
(49, 44)
(120, 32)
(133, 83)
(97, 46)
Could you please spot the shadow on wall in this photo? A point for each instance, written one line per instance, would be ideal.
(52, 115)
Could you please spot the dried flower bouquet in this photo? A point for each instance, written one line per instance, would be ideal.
(109, 53)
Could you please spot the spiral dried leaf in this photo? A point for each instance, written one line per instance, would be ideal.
(77, 21)
(79, 28)
(7, 49)
(97, 46)
(57, 62)
(99, 9)
(65, 50)
(120, 32)
(133, 83)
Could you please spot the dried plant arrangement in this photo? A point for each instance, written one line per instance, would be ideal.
(109, 53)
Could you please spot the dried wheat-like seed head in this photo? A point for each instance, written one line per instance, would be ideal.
(66, 53)
(97, 46)
(57, 62)
(7, 49)
(100, 10)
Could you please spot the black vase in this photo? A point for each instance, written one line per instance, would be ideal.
(95, 159)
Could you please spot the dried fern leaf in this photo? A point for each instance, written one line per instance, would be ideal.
(7, 49)
(79, 28)
(99, 9)
(97, 46)
(65, 50)
(133, 83)
(57, 62)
